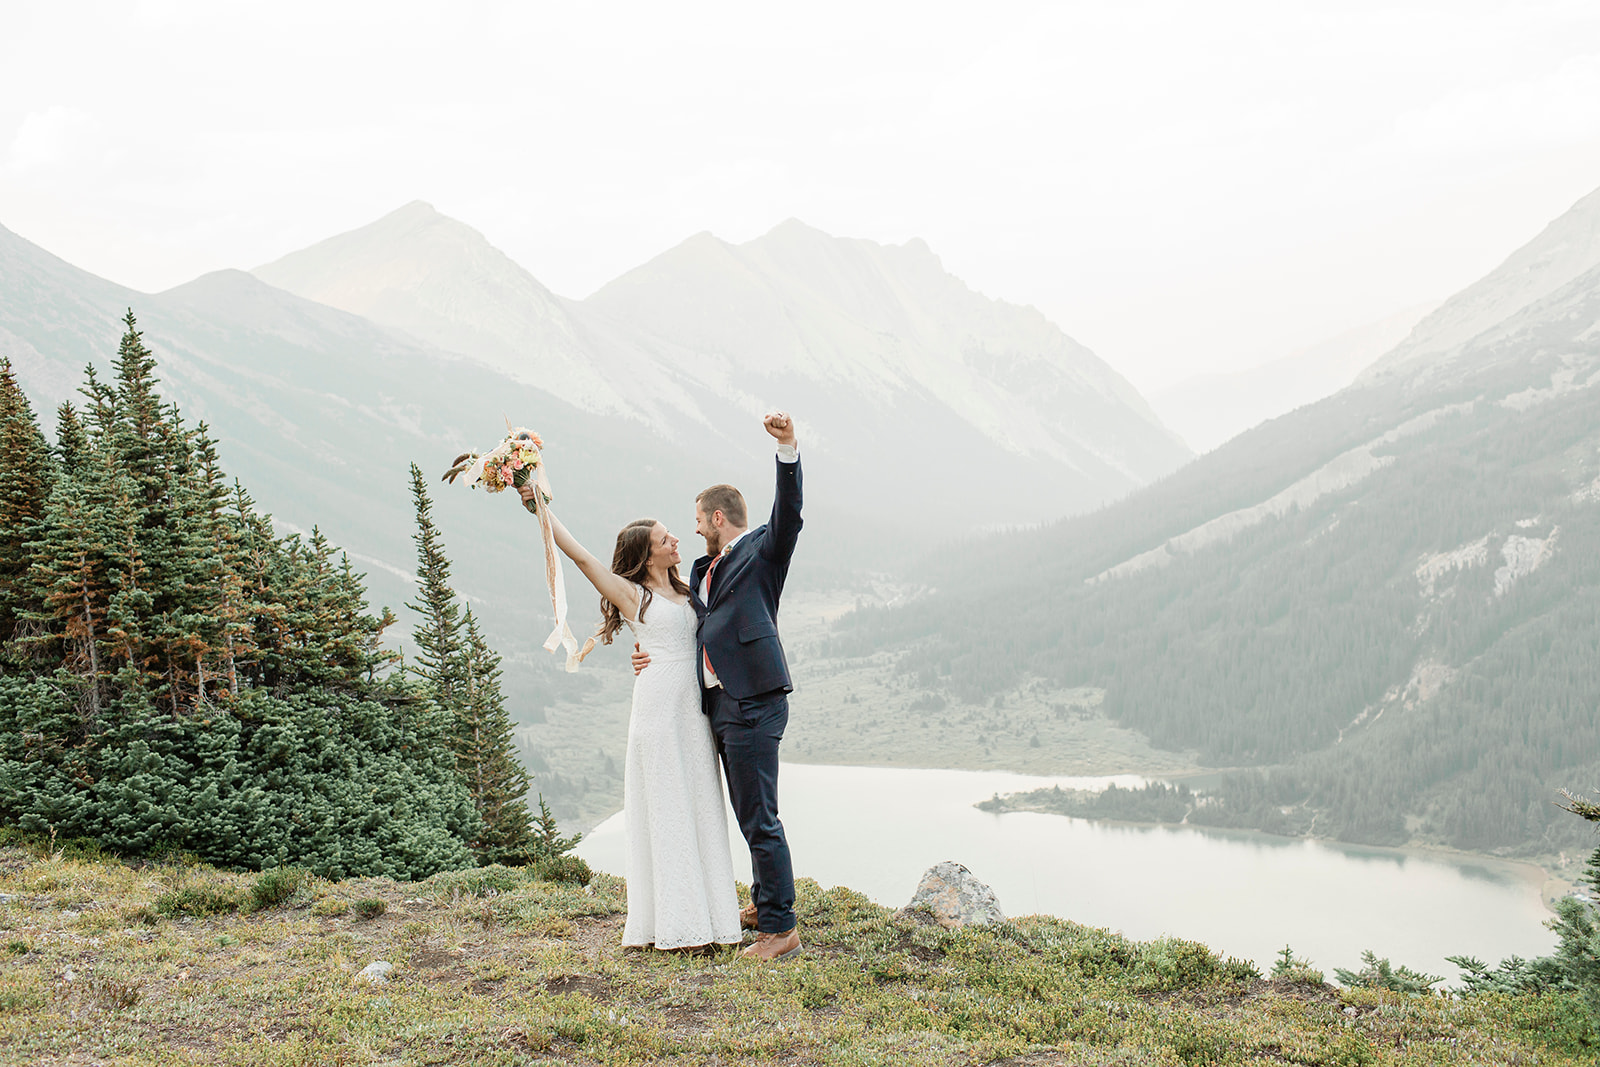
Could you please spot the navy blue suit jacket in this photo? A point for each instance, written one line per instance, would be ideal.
(739, 626)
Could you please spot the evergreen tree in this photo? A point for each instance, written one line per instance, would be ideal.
(140, 433)
(70, 584)
(220, 585)
(72, 444)
(186, 679)
(548, 841)
(438, 634)
(25, 474)
(486, 757)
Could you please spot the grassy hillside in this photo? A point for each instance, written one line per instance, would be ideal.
(173, 963)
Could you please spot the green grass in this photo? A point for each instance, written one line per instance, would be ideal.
(498, 967)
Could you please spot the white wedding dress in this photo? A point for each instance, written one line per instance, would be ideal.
(679, 868)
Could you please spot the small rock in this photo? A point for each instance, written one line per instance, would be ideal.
(69, 976)
(1351, 1010)
(376, 972)
(956, 898)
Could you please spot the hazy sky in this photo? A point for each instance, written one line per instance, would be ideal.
(1181, 186)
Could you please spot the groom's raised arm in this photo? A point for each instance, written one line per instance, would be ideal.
(783, 530)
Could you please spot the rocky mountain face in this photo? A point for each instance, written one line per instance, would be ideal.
(1386, 600)
(1568, 248)
(889, 328)
(439, 281)
(878, 349)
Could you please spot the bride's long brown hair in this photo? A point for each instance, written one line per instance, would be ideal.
(631, 560)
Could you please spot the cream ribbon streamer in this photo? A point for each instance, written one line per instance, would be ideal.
(561, 636)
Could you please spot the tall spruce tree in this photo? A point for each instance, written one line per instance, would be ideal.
(72, 445)
(461, 674)
(25, 476)
(438, 633)
(486, 756)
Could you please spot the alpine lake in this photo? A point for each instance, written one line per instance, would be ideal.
(877, 829)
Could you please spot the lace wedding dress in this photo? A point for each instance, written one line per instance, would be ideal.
(679, 869)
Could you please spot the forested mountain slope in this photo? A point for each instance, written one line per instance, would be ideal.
(1392, 597)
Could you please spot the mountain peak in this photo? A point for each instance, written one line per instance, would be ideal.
(438, 279)
(415, 207)
(793, 227)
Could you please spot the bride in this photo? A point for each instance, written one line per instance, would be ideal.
(679, 868)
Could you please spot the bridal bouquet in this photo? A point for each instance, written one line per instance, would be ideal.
(510, 465)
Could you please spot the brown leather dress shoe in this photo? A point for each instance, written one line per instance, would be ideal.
(747, 917)
(770, 948)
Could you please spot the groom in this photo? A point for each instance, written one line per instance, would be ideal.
(744, 677)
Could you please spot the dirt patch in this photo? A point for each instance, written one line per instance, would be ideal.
(1285, 987)
(586, 984)
(597, 937)
(687, 1019)
(433, 960)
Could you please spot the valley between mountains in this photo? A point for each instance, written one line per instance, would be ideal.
(1377, 613)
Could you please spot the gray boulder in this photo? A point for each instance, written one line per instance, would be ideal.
(956, 898)
(376, 972)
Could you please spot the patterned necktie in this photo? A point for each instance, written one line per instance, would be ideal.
(710, 571)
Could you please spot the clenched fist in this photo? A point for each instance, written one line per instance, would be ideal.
(781, 426)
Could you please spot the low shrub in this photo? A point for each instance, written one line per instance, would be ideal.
(1292, 969)
(563, 868)
(1173, 963)
(113, 994)
(370, 908)
(279, 885)
(1378, 973)
(199, 900)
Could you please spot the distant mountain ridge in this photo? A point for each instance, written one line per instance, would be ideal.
(1210, 409)
(439, 281)
(1566, 249)
(873, 345)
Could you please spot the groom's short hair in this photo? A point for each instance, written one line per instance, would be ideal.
(726, 499)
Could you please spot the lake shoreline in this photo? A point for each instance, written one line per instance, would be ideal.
(1550, 884)
(878, 829)
(1527, 871)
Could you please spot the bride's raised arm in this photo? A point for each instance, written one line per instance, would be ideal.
(621, 592)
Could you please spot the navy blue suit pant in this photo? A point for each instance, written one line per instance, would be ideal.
(747, 733)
